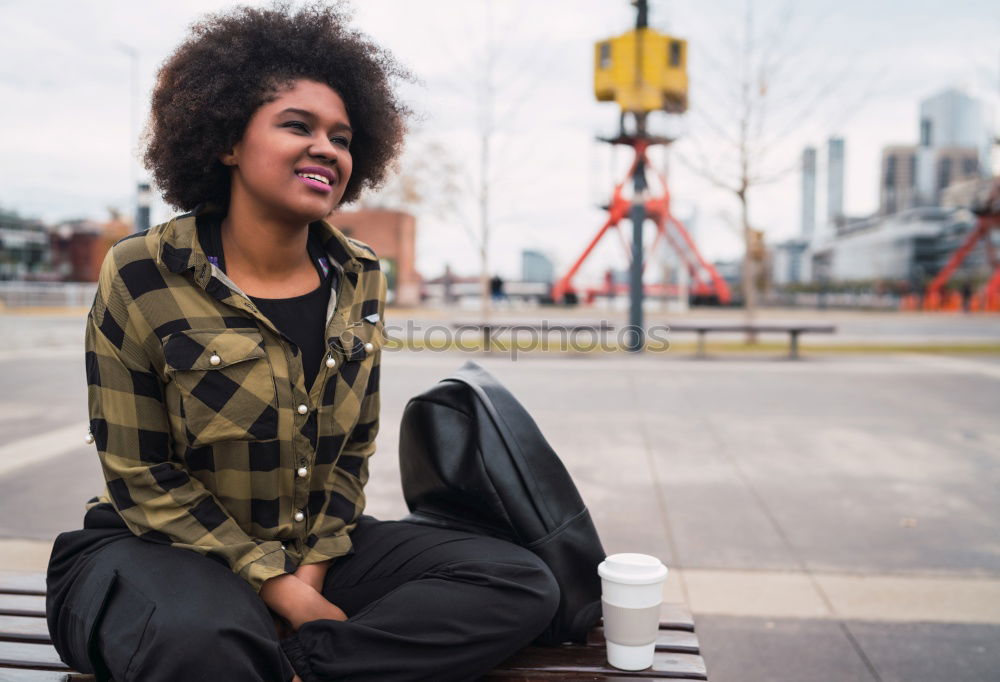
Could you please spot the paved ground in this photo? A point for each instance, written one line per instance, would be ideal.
(830, 519)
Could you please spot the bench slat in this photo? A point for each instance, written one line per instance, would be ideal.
(583, 660)
(11, 675)
(30, 656)
(532, 662)
(678, 641)
(516, 676)
(15, 582)
(24, 629)
(22, 605)
(541, 663)
(676, 617)
(35, 630)
(762, 328)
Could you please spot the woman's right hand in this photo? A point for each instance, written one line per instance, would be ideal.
(297, 602)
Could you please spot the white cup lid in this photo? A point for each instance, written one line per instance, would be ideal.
(632, 569)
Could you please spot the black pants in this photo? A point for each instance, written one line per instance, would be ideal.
(422, 604)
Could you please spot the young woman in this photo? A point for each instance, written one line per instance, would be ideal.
(232, 356)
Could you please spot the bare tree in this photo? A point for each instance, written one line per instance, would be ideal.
(499, 82)
(757, 94)
(426, 180)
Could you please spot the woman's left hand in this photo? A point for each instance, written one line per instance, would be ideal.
(313, 575)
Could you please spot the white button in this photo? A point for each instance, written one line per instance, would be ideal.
(215, 359)
(302, 472)
(282, 547)
(89, 438)
(369, 347)
(303, 408)
(299, 516)
(331, 362)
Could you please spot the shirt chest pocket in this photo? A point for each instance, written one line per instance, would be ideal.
(226, 384)
(357, 351)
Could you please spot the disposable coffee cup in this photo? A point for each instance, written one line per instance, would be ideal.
(631, 593)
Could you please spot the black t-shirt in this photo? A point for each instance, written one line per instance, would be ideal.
(300, 318)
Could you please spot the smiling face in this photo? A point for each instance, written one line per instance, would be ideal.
(294, 161)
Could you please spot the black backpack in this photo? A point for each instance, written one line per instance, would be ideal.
(471, 458)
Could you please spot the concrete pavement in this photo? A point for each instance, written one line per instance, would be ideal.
(830, 519)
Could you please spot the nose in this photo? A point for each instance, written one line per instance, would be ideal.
(322, 148)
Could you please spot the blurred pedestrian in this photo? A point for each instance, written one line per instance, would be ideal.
(966, 295)
(496, 288)
(448, 283)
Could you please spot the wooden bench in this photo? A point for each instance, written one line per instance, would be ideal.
(27, 655)
(793, 331)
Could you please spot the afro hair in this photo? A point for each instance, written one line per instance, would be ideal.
(235, 61)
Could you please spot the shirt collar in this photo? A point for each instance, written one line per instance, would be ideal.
(180, 249)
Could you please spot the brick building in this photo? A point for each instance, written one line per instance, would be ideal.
(77, 247)
(392, 234)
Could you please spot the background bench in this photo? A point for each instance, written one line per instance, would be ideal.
(793, 331)
(601, 329)
(27, 655)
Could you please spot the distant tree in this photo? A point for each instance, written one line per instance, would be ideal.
(492, 79)
(755, 93)
(426, 180)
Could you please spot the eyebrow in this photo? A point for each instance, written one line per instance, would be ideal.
(309, 114)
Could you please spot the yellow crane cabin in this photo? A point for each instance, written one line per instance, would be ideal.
(642, 70)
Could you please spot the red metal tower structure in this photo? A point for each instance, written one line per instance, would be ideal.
(706, 283)
(988, 297)
(643, 70)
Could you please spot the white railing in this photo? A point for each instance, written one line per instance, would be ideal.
(842, 299)
(15, 295)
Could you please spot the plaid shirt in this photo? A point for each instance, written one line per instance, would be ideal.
(206, 434)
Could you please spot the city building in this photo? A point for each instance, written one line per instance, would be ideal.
(77, 247)
(908, 246)
(732, 272)
(537, 267)
(955, 143)
(954, 119)
(835, 180)
(70, 251)
(808, 227)
(954, 164)
(789, 263)
(76, 251)
(898, 186)
(972, 193)
(392, 235)
(954, 146)
(937, 168)
(23, 246)
(922, 217)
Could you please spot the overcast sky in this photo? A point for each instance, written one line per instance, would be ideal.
(68, 140)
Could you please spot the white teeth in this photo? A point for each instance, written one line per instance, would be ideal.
(312, 176)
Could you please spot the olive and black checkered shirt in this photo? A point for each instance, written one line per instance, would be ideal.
(205, 431)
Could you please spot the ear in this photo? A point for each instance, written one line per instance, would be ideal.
(228, 158)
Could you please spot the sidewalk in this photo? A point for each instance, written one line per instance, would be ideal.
(829, 519)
